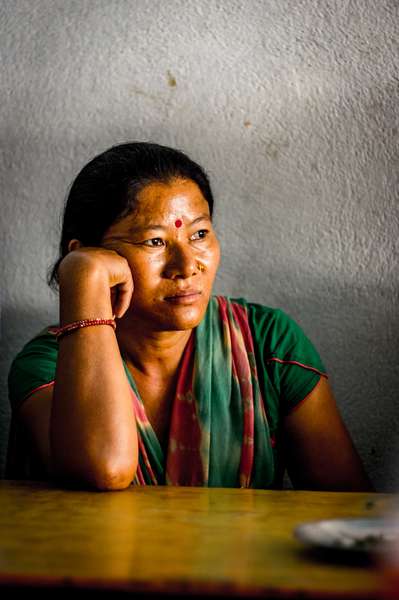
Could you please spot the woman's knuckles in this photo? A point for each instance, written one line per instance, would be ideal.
(96, 263)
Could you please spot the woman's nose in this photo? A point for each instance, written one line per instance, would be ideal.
(181, 262)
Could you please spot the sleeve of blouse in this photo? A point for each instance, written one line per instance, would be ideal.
(290, 360)
(33, 368)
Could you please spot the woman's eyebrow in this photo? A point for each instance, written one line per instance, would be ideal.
(152, 226)
(203, 217)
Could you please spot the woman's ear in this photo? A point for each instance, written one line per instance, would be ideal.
(74, 245)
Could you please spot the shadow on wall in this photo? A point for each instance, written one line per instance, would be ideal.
(357, 334)
(359, 342)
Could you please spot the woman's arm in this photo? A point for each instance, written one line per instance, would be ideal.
(86, 424)
(319, 452)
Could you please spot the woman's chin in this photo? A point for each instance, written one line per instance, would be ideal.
(168, 316)
(184, 318)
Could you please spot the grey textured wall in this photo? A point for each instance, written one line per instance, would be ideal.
(291, 105)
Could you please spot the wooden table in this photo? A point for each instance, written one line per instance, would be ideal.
(165, 540)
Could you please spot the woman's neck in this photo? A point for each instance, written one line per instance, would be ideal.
(152, 353)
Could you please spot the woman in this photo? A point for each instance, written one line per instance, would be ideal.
(148, 378)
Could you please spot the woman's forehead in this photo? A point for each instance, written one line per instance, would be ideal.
(163, 205)
(174, 200)
(158, 191)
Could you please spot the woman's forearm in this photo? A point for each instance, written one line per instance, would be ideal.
(93, 437)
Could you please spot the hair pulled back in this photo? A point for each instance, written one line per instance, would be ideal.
(106, 189)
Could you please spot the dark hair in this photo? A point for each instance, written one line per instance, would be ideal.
(107, 187)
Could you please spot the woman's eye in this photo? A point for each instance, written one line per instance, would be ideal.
(154, 242)
(200, 235)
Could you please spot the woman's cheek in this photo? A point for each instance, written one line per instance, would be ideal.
(145, 272)
(211, 256)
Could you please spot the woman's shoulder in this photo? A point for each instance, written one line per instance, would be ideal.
(285, 355)
(270, 320)
(42, 342)
(261, 311)
(33, 366)
(277, 335)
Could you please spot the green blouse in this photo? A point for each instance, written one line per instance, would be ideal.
(288, 368)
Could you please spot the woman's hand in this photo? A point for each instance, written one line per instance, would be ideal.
(83, 427)
(97, 277)
(89, 416)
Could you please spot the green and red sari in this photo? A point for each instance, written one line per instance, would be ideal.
(243, 369)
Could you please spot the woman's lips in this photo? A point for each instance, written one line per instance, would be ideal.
(188, 297)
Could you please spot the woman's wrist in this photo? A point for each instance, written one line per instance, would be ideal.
(69, 328)
(87, 297)
(85, 306)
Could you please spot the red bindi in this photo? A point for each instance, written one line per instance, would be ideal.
(178, 223)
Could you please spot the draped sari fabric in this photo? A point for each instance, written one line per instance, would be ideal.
(219, 433)
(245, 367)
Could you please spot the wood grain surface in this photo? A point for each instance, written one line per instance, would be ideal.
(178, 540)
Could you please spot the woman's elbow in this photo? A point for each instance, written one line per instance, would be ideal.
(99, 475)
(113, 476)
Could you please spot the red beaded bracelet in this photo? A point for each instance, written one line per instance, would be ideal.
(59, 332)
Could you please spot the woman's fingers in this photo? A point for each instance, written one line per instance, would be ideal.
(121, 283)
(123, 297)
(100, 264)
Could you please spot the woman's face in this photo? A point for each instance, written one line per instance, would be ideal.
(173, 254)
